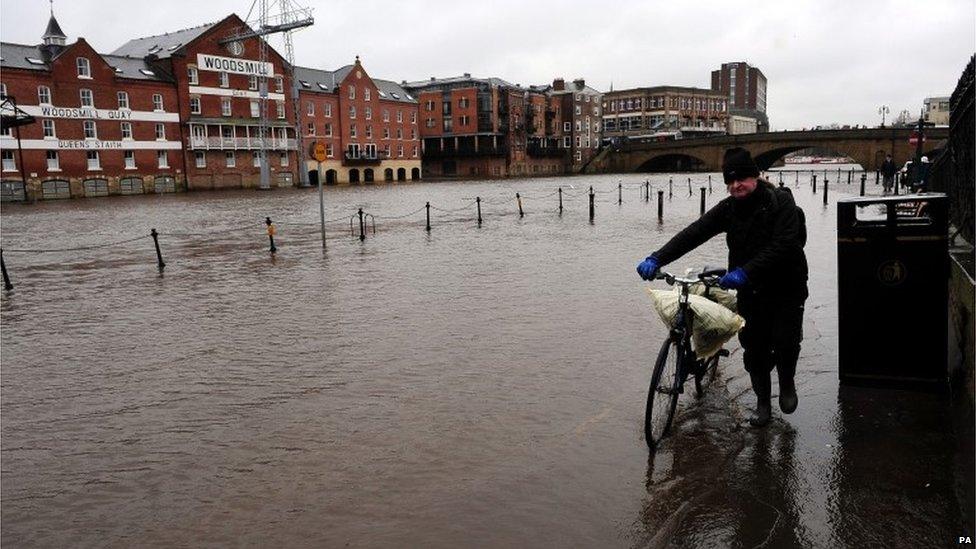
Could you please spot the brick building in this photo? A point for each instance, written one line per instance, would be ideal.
(105, 124)
(664, 112)
(745, 87)
(579, 112)
(368, 127)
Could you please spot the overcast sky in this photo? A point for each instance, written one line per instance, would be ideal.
(826, 61)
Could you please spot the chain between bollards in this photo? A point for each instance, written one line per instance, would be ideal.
(478, 202)
(428, 216)
(518, 198)
(660, 206)
(159, 255)
(6, 278)
(592, 204)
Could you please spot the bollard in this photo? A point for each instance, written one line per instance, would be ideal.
(670, 188)
(428, 216)
(877, 176)
(864, 178)
(826, 184)
(850, 175)
(560, 201)
(477, 200)
(781, 179)
(362, 226)
(689, 188)
(519, 199)
(271, 233)
(159, 255)
(815, 184)
(797, 174)
(660, 206)
(620, 193)
(6, 279)
(647, 191)
(592, 204)
(709, 184)
(897, 183)
(702, 212)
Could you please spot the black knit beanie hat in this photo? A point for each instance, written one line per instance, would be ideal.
(738, 164)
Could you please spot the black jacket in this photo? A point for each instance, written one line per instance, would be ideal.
(888, 168)
(765, 232)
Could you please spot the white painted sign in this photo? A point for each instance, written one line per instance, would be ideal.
(228, 92)
(235, 66)
(89, 113)
(88, 144)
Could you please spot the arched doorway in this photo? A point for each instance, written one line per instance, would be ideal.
(368, 175)
(313, 177)
(415, 174)
(388, 174)
(330, 177)
(354, 175)
(401, 174)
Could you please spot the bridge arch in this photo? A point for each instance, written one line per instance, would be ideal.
(674, 162)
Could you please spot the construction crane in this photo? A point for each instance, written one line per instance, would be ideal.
(275, 17)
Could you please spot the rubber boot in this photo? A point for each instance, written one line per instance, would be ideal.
(787, 389)
(762, 386)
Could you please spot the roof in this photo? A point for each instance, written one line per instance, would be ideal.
(321, 81)
(491, 81)
(53, 29)
(664, 89)
(162, 45)
(15, 56)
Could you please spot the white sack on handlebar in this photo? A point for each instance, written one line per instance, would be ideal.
(712, 324)
(718, 295)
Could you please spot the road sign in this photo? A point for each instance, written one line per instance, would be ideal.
(318, 151)
(913, 139)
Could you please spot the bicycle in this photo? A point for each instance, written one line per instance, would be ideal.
(676, 361)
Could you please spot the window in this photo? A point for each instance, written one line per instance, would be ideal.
(256, 159)
(225, 106)
(578, 127)
(328, 150)
(463, 103)
(578, 156)
(90, 132)
(413, 133)
(399, 133)
(328, 129)
(369, 131)
(283, 159)
(280, 105)
(279, 84)
(566, 142)
(352, 131)
(53, 163)
(400, 116)
(369, 113)
(413, 117)
(567, 126)
(386, 133)
(369, 151)
(193, 75)
(328, 110)
(230, 159)
(48, 128)
(577, 141)
(366, 94)
(157, 102)
(123, 100)
(84, 68)
(44, 95)
(463, 121)
(430, 122)
(386, 151)
(224, 80)
(162, 158)
(126, 130)
(415, 151)
(87, 100)
(252, 82)
(201, 159)
(8, 161)
(386, 115)
(310, 109)
(93, 162)
(160, 132)
(194, 105)
(311, 128)
(430, 106)
(255, 108)
(352, 111)
(579, 110)
(130, 159)
(352, 92)
(400, 151)
(352, 150)
(448, 124)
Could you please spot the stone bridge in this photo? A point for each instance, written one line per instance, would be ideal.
(866, 147)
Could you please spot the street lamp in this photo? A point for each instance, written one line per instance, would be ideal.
(883, 110)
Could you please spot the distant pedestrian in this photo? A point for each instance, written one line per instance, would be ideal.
(922, 177)
(888, 171)
(271, 233)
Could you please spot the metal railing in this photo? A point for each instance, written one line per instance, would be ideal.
(235, 143)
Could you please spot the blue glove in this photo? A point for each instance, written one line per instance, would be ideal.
(648, 268)
(734, 279)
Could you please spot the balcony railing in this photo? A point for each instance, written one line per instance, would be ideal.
(237, 143)
(466, 153)
(349, 159)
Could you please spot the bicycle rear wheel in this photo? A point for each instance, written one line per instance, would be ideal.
(662, 396)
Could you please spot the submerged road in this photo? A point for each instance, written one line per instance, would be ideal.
(464, 386)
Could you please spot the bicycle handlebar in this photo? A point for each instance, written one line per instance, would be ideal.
(709, 277)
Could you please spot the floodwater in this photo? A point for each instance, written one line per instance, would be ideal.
(466, 386)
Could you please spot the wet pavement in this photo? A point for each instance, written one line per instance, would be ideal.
(467, 386)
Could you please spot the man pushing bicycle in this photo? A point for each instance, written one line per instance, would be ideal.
(765, 233)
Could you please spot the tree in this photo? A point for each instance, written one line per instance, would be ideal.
(903, 119)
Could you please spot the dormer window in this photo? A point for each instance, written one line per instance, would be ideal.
(304, 84)
(154, 50)
(147, 72)
(34, 61)
(84, 68)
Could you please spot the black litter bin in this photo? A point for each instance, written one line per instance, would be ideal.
(892, 272)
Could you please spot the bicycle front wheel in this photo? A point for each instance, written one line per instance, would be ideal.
(662, 397)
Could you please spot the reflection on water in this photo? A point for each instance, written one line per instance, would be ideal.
(468, 385)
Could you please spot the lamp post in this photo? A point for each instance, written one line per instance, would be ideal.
(883, 110)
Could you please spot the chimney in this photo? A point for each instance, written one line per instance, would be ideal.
(558, 84)
(579, 83)
(432, 78)
(467, 75)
